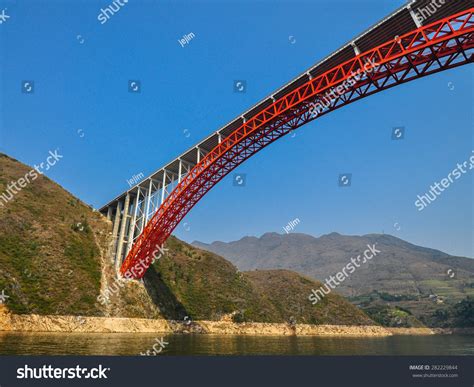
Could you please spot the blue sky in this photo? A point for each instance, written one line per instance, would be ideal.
(81, 106)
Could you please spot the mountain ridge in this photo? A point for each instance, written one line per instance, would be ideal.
(424, 281)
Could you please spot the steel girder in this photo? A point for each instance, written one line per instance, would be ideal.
(442, 45)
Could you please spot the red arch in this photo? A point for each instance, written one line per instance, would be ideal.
(442, 45)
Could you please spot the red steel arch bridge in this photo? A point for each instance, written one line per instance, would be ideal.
(421, 38)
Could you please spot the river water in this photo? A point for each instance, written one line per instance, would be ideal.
(136, 343)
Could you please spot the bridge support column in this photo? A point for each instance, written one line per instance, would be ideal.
(171, 184)
(163, 187)
(109, 213)
(356, 49)
(118, 256)
(146, 205)
(180, 171)
(115, 228)
(198, 155)
(131, 230)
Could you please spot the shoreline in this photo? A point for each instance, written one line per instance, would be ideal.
(10, 322)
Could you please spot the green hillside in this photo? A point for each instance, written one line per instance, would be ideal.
(287, 292)
(206, 287)
(49, 247)
(53, 261)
